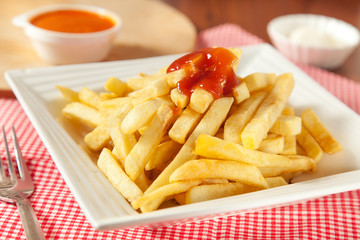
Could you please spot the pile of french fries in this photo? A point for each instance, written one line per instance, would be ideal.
(160, 147)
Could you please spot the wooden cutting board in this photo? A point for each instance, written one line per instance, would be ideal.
(150, 28)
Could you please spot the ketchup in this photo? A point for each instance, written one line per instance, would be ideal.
(209, 69)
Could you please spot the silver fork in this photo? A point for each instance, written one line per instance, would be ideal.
(16, 189)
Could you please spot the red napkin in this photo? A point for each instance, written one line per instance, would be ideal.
(331, 217)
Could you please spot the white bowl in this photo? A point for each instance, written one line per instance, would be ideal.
(68, 48)
(314, 39)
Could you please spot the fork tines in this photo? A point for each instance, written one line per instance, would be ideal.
(18, 155)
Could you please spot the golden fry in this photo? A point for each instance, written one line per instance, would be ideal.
(322, 135)
(211, 168)
(136, 160)
(209, 124)
(269, 110)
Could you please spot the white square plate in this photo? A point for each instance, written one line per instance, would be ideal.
(106, 209)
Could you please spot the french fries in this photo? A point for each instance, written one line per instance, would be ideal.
(268, 112)
(212, 147)
(136, 161)
(116, 86)
(108, 164)
(317, 129)
(309, 145)
(184, 125)
(209, 124)
(200, 100)
(140, 115)
(211, 168)
(89, 97)
(257, 81)
(161, 136)
(68, 93)
(206, 192)
(238, 120)
(153, 200)
(84, 114)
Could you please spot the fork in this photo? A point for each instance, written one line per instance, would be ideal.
(16, 189)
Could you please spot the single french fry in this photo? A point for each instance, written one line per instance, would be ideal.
(269, 110)
(289, 141)
(272, 144)
(116, 86)
(109, 166)
(318, 130)
(310, 145)
(211, 168)
(174, 77)
(151, 201)
(237, 121)
(279, 171)
(257, 81)
(136, 160)
(183, 126)
(237, 52)
(68, 93)
(179, 99)
(241, 92)
(142, 80)
(212, 147)
(209, 124)
(200, 100)
(164, 153)
(202, 193)
(97, 138)
(140, 116)
(155, 89)
(82, 113)
(287, 125)
(116, 102)
(89, 97)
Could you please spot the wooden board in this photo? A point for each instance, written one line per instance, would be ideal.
(150, 28)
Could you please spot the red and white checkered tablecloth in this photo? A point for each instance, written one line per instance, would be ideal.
(331, 217)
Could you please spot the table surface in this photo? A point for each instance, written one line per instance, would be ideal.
(330, 217)
(253, 15)
(137, 38)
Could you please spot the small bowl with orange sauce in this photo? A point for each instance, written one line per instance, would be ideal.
(70, 33)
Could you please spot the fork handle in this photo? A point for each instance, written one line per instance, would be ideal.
(29, 220)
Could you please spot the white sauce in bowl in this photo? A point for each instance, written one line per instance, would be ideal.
(312, 37)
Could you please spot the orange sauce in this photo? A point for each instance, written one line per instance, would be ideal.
(209, 69)
(72, 21)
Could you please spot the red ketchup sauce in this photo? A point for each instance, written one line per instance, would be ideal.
(209, 69)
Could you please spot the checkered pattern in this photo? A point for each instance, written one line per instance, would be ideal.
(331, 217)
